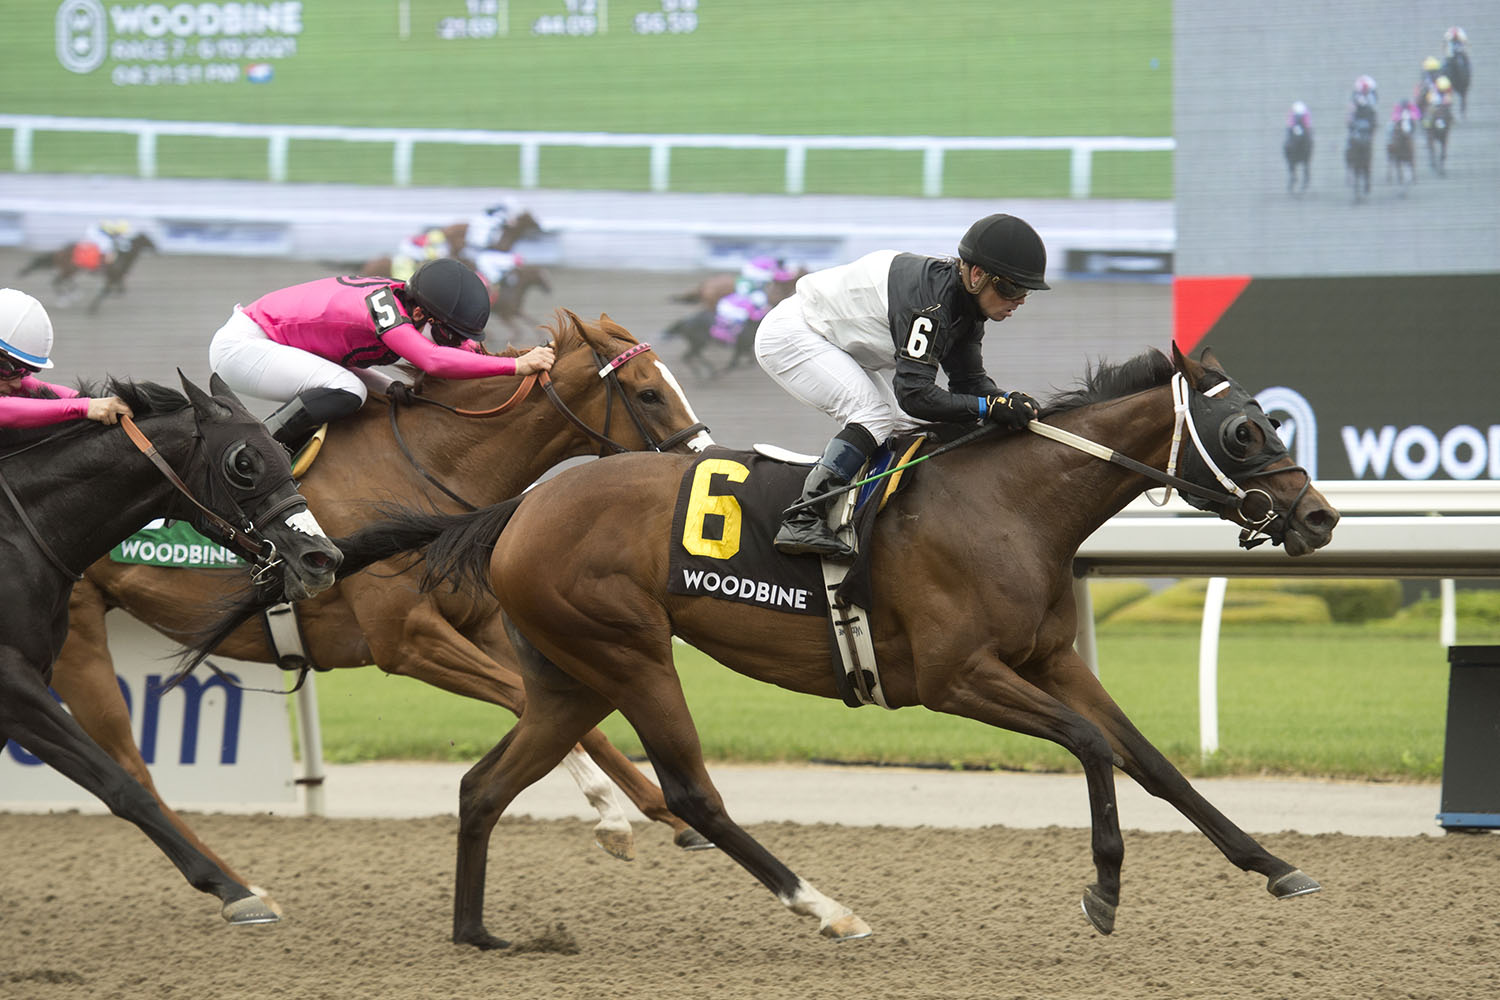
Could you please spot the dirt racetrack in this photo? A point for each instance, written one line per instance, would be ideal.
(92, 910)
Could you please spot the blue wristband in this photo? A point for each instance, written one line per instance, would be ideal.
(984, 407)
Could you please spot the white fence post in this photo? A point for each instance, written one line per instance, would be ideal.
(276, 150)
(1086, 641)
(401, 164)
(932, 171)
(1448, 623)
(661, 166)
(530, 162)
(20, 149)
(796, 168)
(310, 737)
(1083, 169)
(145, 153)
(1208, 666)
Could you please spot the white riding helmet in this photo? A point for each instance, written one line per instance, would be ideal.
(25, 329)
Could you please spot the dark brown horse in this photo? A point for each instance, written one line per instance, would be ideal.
(972, 612)
(112, 274)
(73, 492)
(452, 641)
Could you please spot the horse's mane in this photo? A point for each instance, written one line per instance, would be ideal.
(1102, 381)
(145, 399)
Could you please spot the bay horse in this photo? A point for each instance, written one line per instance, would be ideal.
(1400, 152)
(1298, 150)
(972, 613)
(453, 642)
(112, 275)
(1358, 151)
(73, 493)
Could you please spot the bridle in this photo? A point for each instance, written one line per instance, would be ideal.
(1212, 424)
(608, 370)
(245, 539)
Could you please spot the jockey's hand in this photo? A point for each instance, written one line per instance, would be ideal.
(538, 359)
(1014, 409)
(108, 409)
(400, 392)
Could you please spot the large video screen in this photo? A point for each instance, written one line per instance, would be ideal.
(1364, 304)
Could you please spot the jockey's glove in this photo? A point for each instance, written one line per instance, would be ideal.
(1013, 409)
(400, 392)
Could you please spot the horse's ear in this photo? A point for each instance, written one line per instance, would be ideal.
(1192, 369)
(1210, 362)
(614, 329)
(218, 387)
(202, 401)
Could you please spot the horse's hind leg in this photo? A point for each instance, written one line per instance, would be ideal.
(33, 719)
(1069, 680)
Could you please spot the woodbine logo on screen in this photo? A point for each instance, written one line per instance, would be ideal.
(177, 44)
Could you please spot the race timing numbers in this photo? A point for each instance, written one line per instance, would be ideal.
(569, 18)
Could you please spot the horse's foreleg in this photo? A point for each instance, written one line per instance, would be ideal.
(991, 692)
(33, 719)
(85, 678)
(545, 733)
(640, 790)
(1068, 678)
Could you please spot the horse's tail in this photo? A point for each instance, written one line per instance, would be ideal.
(38, 262)
(458, 546)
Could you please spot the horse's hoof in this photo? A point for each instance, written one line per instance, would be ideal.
(265, 897)
(1293, 883)
(249, 910)
(616, 843)
(1100, 911)
(846, 928)
(691, 840)
(483, 940)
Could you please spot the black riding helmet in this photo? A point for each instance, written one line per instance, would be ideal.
(453, 295)
(1007, 246)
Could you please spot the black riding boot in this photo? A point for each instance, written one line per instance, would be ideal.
(806, 531)
(307, 411)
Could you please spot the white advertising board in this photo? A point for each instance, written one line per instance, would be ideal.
(205, 742)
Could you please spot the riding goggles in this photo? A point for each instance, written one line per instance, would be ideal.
(1009, 290)
(10, 369)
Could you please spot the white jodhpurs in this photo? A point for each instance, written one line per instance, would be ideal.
(825, 377)
(254, 364)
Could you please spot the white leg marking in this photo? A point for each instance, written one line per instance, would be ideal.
(598, 789)
(835, 920)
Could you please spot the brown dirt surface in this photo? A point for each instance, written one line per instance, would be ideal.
(92, 910)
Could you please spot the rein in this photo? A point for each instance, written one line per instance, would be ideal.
(607, 373)
(262, 552)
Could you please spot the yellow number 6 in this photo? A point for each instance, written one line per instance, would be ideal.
(702, 503)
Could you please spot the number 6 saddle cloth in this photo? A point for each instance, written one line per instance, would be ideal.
(728, 510)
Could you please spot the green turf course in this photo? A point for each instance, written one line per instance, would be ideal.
(1354, 701)
(880, 67)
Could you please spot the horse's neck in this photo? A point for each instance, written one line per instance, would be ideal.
(94, 491)
(1138, 426)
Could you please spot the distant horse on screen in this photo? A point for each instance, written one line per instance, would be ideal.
(1298, 150)
(1359, 152)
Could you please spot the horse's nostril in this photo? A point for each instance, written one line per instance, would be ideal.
(1322, 518)
(320, 561)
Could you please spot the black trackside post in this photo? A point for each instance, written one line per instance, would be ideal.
(956, 442)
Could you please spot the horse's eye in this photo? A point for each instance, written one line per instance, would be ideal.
(649, 396)
(242, 466)
(1242, 434)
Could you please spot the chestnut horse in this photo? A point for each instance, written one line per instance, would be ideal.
(74, 491)
(972, 612)
(453, 642)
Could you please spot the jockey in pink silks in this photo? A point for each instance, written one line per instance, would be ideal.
(25, 350)
(313, 346)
